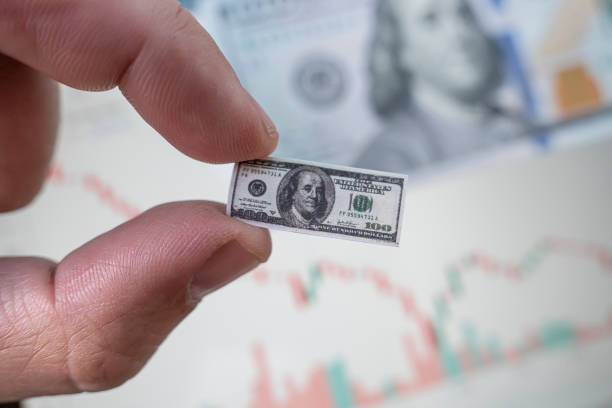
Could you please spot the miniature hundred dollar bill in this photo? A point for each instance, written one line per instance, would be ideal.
(318, 199)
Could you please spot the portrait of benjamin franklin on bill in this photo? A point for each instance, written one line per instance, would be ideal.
(305, 197)
(434, 73)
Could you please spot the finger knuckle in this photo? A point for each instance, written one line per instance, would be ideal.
(245, 135)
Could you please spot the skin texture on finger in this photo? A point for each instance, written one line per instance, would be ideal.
(28, 124)
(164, 62)
(91, 322)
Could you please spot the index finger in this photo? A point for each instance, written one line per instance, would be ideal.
(163, 61)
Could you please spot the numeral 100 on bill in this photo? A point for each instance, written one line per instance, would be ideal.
(378, 227)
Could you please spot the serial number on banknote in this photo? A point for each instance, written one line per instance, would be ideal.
(318, 199)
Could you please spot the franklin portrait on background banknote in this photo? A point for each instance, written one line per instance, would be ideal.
(418, 86)
(305, 196)
(434, 74)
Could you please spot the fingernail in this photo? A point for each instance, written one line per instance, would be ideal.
(269, 126)
(228, 263)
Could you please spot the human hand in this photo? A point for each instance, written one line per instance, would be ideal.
(91, 321)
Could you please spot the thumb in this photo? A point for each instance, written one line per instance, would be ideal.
(91, 322)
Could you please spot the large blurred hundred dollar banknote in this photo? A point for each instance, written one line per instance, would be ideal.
(415, 85)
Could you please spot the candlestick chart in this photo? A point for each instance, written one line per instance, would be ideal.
(330, 385)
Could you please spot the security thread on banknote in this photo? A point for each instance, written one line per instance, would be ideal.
(318, 199)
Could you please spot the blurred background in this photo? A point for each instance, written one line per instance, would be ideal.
(501, 291)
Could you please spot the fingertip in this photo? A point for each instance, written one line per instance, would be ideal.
(257, 241)
(232, 128)
(253, 239)
(270, 133)
(227, 263)
(250, 247)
